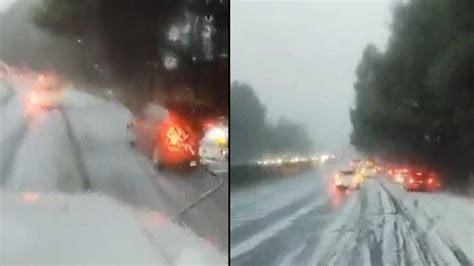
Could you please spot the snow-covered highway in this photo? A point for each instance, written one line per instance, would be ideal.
(303, 220)
(85, 184)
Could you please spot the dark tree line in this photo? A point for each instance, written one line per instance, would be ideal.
(252, 136)
(415, 101)
(145, 47)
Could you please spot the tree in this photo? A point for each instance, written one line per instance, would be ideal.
(253, 137)
(146, 47)
(415, 100)
(248, 125)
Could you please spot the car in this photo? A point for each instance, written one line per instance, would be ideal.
(367, 170)
(390, 171)
(177, 144)
(355, 162)
(47, 93)
(214, 146)
(170, 133)
(347, 179)
(400, 174)
(214, 149)
(141, 132)
(165, 137)
(421, 180)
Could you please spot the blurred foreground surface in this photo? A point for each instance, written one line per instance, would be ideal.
(74, 191)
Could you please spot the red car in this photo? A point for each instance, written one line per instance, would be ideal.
(421, 180)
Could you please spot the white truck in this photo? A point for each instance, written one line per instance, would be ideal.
(214, 148)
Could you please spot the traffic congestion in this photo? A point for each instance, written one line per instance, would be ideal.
(69, 155)
(411, 178)
(172, 134)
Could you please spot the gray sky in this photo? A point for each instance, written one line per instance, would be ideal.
(301, 57)
(5, 4)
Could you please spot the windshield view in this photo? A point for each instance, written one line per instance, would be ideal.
(352, 133)
(114, 132)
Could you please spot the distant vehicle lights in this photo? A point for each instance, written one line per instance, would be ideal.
(321, 159)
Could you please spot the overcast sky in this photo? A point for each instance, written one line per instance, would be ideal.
(5, 4)
(301, 57)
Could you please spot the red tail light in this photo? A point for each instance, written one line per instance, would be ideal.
(411, 181)
(418, 174)
(430, 181)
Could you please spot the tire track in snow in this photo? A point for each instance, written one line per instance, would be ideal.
(355, 245)
(456, 251)
(362, 235)
(10, 147)
(374, 243)
(338, 235)
(268, 246)
(10, 143)
(400, 242)
(77, 152)
(368, 242)
(421, 243)
(247, 230)
(365, 246)
(421, 238)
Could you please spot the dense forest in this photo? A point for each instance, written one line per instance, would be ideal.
(415, 100)
(253, 136)
(145, 48)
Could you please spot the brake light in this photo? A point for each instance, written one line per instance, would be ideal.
(418, 174)
(411, 181)
(430, 181)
